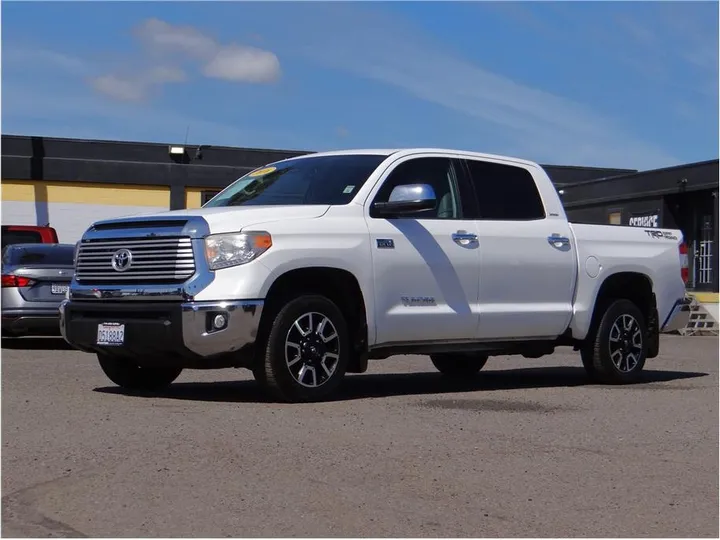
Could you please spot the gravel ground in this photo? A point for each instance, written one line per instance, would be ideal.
(529, 448)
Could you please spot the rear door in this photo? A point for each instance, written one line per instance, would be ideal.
(527, 257)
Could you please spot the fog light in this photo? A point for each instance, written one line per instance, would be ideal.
(219, 321)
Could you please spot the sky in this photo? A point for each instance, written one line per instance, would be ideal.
(608, 84)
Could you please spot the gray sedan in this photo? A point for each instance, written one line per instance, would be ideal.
(35, 279)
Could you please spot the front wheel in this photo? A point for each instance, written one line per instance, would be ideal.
(616, 353)
(459, 365)
(132, 376)
(307, 351)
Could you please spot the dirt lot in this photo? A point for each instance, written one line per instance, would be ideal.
(526, 449)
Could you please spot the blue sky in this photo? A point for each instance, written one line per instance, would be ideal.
(620, 84)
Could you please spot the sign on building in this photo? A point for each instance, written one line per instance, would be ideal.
(645, 220)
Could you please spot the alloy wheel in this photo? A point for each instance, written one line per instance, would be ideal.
(625, 343)
(312, 349)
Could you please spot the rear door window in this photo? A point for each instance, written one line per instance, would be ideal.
(505, 192)
(43, 254)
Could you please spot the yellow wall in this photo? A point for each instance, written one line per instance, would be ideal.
(85, 193)
(193, 197)
(705, 297)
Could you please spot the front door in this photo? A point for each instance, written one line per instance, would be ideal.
(426, 265)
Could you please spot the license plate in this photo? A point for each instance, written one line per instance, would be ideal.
(110, 334)
(58, 289)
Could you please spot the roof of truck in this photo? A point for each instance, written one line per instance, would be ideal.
(408, 151)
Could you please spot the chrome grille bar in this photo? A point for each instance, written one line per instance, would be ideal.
(156, 259)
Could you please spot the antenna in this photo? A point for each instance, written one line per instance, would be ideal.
(187, 134)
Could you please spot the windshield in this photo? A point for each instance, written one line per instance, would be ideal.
(10, 237)
(310, 180)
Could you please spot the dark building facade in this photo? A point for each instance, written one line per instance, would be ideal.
(683, 197)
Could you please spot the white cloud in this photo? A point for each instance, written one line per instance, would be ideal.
(168, 45)
(162, 36)
(230, 61)
(245, 64)
(137, 87)
(20, 55)
(119, 88)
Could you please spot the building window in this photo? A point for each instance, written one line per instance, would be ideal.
(207, 195)
(705, 253)
(615, 218)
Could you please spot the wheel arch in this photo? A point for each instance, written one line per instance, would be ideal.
(635, 287)
(337, 284)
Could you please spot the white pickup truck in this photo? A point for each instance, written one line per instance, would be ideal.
(304, 269)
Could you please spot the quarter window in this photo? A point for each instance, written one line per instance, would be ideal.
(505, 192)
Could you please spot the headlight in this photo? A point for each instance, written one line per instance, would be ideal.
(232, 249)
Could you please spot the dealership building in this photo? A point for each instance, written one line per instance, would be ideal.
(69, 183)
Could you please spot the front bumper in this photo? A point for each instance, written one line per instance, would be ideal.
(166, 332)
(678, 317)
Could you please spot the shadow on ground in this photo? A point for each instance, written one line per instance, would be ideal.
(36, 344)
(407, 384)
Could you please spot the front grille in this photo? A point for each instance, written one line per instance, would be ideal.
(153, 260)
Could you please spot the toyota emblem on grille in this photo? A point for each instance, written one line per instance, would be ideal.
(121, 260)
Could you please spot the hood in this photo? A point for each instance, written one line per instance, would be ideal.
(234, 218)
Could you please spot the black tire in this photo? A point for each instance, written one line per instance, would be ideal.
(459, 365)
(617, 351)
(300, 377)
(131, 376)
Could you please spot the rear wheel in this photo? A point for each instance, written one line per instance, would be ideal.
(307, 351)
(458, 364)
(617, 352)
(132, 376)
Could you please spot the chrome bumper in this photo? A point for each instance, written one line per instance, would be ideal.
(678, 317)
(163, 328)
(243, 320)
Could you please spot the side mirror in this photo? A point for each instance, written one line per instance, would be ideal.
(407, 199)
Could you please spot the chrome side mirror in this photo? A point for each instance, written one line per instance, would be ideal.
(406, 199)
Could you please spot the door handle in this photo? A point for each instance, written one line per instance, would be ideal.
(558, 242)
(464, 237)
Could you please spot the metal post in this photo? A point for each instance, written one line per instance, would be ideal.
(715, 244)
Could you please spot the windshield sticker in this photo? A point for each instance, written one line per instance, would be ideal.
(262, 172)
(348, 189)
